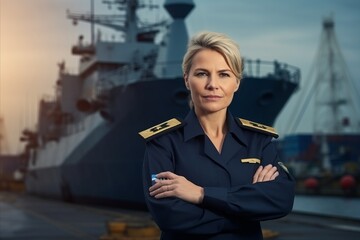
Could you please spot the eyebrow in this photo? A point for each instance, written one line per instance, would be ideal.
(225, 70)
(204, 69)
(201, 69)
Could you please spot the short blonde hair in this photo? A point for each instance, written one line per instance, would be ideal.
(218, 42)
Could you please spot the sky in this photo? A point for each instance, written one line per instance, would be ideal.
(36, 35)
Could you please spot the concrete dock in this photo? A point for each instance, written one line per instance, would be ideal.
(32, 218)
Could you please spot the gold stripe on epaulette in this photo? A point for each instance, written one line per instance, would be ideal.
(259, 126)
(159, 128)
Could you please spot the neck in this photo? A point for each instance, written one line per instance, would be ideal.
(213, 124)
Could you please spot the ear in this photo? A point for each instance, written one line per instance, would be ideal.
(186, 81)
(237, 85)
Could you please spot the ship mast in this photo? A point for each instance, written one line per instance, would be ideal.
(126, 21)
(335, 111)
(4, 148)
(92, 22)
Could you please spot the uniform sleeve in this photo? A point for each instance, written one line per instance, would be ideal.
(260, 201)
(174, 214)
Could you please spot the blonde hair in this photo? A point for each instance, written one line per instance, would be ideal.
(218, 42)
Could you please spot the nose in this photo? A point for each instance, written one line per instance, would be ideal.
(213, 82)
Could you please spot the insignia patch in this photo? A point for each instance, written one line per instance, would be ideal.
(153, 178)
(162, 127)
(259, 127)
(282, 165)
(250, 160)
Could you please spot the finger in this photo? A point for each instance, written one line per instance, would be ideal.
(264, 172)
(167, 174)
(164, 181)
(159, 183)
(155, 186)
(164, 194)
(165, 191)
(160, 190)
(269, 174)
(274, 176)
(257, 173)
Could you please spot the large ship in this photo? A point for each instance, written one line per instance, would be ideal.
(86, 146)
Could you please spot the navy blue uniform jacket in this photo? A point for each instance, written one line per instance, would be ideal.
(233, 206)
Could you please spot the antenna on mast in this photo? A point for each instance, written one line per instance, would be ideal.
(92, 22)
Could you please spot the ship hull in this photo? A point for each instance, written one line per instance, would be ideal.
(323, 164)
(106, 166)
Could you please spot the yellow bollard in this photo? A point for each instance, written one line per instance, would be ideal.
(121, 230)
(116, 228)
(267, 234)
(144, 232)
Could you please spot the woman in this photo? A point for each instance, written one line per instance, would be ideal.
(213, 176)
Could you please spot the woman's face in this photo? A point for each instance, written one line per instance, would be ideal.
(211, 82)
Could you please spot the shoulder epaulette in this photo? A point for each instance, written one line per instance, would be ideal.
(164, 127)
(258, 127)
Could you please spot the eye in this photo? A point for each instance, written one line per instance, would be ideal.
(224, 74)
(201, 74)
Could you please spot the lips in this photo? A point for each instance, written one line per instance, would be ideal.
(212, 97)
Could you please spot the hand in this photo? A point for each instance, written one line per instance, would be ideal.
(176, 186)
(267, 173)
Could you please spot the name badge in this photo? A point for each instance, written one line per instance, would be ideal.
(250, 160)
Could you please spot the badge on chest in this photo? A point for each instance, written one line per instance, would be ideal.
(250, 160)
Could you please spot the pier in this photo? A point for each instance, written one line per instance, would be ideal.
(24, 216)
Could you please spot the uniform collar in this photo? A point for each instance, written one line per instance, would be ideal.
(235, 129)
(193, 128)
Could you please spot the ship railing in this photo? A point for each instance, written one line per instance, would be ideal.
(271, 69)
(257, 69)
(131, 73)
